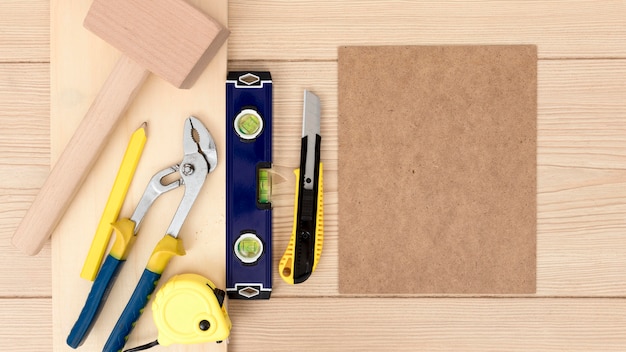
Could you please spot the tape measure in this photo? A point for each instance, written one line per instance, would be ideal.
(189, 309)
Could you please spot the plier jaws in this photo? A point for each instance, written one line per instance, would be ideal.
(198, 140)
(200, 158)
(154, 189)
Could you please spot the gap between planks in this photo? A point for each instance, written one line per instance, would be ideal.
(581, 58)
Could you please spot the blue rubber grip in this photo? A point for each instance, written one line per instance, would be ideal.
(132, 312)
(95, 301)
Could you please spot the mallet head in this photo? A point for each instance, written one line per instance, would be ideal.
(170, 38)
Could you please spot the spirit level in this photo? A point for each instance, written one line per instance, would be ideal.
(248, 203)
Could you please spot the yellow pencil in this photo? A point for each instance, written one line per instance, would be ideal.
(114, 203)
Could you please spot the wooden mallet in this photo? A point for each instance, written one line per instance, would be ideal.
(169, 38)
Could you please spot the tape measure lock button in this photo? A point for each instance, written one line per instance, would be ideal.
(204, 325)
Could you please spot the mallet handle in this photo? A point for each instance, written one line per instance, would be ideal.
(79, 155)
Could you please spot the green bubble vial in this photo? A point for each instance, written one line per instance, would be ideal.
(248, 124)
(248, 248)
(264, 187)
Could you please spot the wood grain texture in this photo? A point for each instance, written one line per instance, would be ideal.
(25, 106)
(305, 30)
(24, 31)
(430, 324)
(24, 164)
(582, 169)
(30, 329)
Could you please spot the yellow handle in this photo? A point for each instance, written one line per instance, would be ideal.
(167, 247)
(285, 266)
(124, 238)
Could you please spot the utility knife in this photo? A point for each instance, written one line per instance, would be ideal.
(307, 236)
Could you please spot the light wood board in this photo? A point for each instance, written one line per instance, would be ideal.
(312, 30)
(80, 62)
(431, 324)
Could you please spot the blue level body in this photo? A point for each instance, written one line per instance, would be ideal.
(248, 210)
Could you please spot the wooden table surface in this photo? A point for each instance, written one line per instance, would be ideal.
(580, 304)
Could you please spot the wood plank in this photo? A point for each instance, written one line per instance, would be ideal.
(582, 176)
(434, 324)
(428, 324)
(24, 164)
(305, 30)
(25, 28)
(25, 324)
(25, 106)
(582, 172)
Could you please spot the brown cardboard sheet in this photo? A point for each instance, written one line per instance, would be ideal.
(437, 169)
